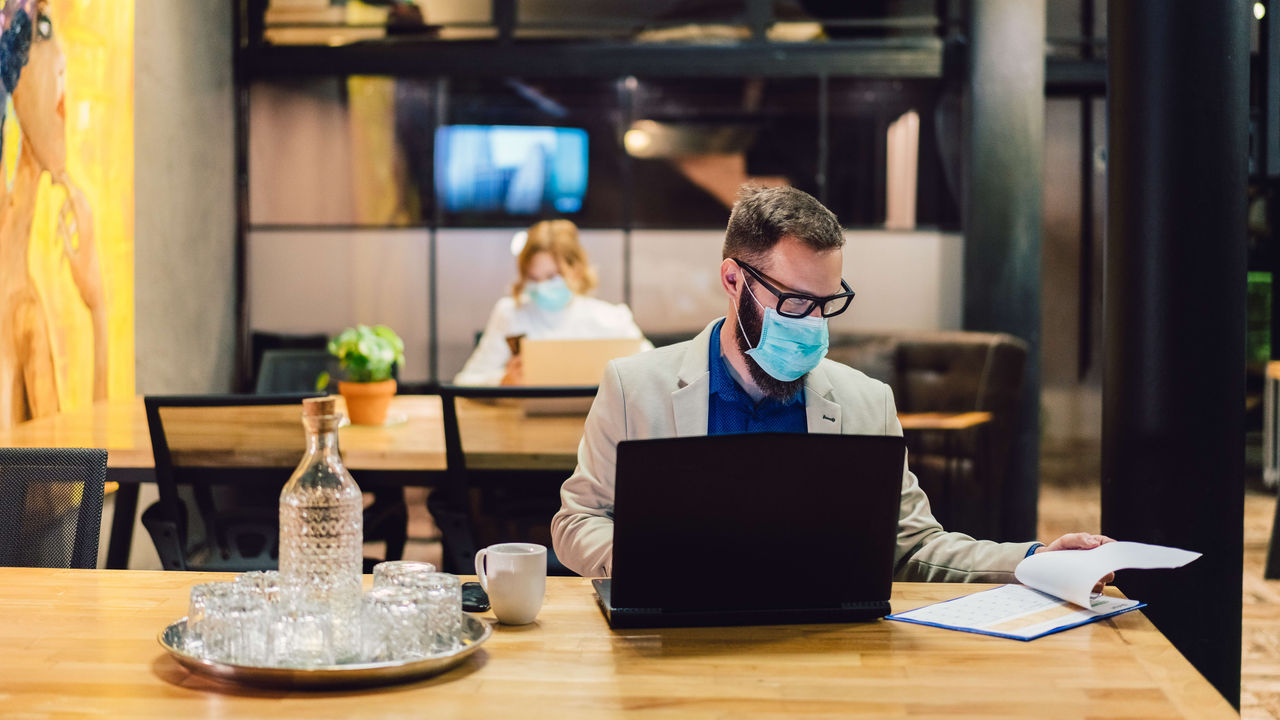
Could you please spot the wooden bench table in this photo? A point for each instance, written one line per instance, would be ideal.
(83, 642)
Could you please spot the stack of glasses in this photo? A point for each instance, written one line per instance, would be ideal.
(412, 612)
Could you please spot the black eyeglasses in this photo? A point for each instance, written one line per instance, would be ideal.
(798, 305)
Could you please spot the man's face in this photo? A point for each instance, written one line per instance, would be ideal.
(790, 266)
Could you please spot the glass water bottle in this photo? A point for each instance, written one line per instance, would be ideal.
(321, 527)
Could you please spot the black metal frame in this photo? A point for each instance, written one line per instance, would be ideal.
(896, 58)
(450, 504)
(921, 57)
(170, 506)
(889, 57)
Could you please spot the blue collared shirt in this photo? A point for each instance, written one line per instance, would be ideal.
(731, 410)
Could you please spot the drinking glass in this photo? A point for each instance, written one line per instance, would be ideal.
(395, 624)
(236, 627)
(265, 583)
(301, 632)
(391, 571)
(198, 615)
(444, 609)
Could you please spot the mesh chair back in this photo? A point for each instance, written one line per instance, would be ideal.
(294, 371)
(51, 506)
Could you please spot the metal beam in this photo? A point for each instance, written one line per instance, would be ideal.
(885, 58)
(1075, 76)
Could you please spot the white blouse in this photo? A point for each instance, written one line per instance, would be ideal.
(582, 319)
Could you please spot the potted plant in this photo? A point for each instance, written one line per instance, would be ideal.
(367, 356)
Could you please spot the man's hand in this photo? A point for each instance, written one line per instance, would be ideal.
(1075, 541)
(1080, 541)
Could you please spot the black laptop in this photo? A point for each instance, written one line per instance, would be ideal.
(753, 529)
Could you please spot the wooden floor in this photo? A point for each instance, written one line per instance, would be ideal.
(1069, 501)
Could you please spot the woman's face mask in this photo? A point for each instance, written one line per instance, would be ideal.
(550, 295)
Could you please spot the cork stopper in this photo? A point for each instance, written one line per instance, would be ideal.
(321, 414)
(316, 407)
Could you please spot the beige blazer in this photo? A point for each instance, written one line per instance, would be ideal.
(665, 393)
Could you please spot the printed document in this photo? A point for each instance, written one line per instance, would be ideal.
(1056, 593)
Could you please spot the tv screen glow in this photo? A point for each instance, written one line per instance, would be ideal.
(511, 169)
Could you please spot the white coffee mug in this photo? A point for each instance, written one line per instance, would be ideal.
(515, 577)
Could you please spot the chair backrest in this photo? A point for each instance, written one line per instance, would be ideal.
(940, 371)
(960, 372)
(51, 506)
(455, 458)
(294, 371)
(202, 440)
(260, 342)
(453, 516)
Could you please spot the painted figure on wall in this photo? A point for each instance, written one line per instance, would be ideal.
(33, 71)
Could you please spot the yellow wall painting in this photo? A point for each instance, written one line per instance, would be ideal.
(66, 205)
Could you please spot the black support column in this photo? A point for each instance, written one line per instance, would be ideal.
(1004, 148)
(1174, 303)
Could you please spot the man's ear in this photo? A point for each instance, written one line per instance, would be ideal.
(730, 276)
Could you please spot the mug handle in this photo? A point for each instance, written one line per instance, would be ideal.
(480, 568)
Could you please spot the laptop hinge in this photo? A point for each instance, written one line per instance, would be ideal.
(871, 604)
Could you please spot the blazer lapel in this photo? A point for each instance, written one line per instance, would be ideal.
(822, 414)
(691, 399)
(690, 404)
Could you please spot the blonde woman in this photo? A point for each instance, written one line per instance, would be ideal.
(549, 301)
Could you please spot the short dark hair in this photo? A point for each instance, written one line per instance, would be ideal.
(762, 216)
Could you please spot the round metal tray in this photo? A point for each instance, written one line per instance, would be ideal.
(474, 633)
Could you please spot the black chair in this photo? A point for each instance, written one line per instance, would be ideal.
(474, 508)
(51, 506)
(294, 371)
(237, 531)
(260, 342)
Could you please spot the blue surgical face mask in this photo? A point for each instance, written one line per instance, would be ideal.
(789, 348)
(550, 295)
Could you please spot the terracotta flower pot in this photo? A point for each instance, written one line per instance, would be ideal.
(367, 403)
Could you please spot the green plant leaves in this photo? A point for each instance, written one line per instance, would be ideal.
(368, 354)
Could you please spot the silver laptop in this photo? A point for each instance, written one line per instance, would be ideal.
(569, 363)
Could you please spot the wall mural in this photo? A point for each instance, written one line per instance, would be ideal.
(66, 205)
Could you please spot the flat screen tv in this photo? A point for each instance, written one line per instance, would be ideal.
(510, 169)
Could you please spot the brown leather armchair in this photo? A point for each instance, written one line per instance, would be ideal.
(962, 472)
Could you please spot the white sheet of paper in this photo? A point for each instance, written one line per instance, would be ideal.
(1071, 574)
(1012, 610)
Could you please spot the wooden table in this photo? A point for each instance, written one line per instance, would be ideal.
(943, 421)
(408, 450)
(80, 642)
(495, 436)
